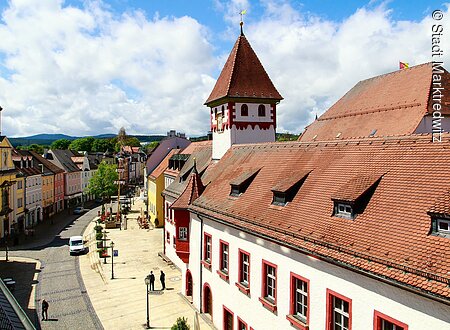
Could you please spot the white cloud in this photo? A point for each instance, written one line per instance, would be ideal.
(84, 71)
(89, 71)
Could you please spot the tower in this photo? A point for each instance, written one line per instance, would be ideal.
(243, 101)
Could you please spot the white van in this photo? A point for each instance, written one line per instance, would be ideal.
(76, 245)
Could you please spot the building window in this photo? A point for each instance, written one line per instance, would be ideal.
(339, 309)
(343, 210)
(241, 324)
(269, 285)
(299, 303)
(224, 257)
(19, 202)
(227, 319)
(443, 226)
(384, 322)
(19, 184)
(174, 242)
(244, 268)
(167, 237)
(244, 110)
(183, 233)
(261, 110)
(207, 248)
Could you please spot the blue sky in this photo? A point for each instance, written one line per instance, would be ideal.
(90, 67)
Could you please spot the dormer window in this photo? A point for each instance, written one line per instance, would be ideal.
(242, 182)
(285, 191)
(443, 226)
(352, 198)
(244, 110)
(343, 210)
(261, 110)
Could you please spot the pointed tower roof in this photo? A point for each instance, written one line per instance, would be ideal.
(192, 191)
(243, 76)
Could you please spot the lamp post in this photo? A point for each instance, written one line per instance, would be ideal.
(6, 245)
(112, 260)
(147, 282)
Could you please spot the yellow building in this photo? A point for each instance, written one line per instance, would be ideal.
(8, 189)
(155, 187)
(48, 198)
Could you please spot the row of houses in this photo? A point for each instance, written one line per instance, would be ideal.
(347, 228)
(35, 187)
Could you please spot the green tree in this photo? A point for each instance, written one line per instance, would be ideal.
(102, 145)
(60, 144)
(149, 147)
(36, 148)
(82, 144)
(102, 184)
(181, 324)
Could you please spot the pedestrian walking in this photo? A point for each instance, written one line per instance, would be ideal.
(162, 278)
(44, 310)
(152, 281)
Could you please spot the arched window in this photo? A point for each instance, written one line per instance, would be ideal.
(244, 110)
(261, 110)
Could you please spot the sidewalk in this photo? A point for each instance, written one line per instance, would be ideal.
(121, 303)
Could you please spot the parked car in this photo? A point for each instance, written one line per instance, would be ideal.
(76, 245)
(79, 210)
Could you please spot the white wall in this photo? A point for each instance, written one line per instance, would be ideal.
(253, 113)
(221, 143)
(367, 294)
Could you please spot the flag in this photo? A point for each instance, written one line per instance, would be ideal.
(404, 65)
(243, 12)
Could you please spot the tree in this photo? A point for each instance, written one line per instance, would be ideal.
(82, 144)
(103, 184)
(181, 324)
(60, 144)
(149, 147)
(102, 145)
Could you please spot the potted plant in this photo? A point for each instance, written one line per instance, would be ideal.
(181, 324)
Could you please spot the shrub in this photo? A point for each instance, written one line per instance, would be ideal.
(98, 228)
(181, 324)
(99, 236)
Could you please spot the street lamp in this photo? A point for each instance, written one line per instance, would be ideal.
(112, 260)
(147, 282)
(6, 245)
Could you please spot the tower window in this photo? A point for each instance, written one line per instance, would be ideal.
(223, 111)
(261, 110)
(244, 110)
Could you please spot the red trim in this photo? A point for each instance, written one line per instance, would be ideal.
(294, 321)
(329, 316)
(244, 125)
(206, 264)
(206, 285)
(224, 319)
(188, 274)
(221, 245)
(243, 288)
(239, 320)
(377, 317)
(246, 290)
(223, 276)
(271, 305)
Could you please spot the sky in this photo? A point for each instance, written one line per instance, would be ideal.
(91, 67)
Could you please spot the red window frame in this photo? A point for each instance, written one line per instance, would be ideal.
(224, 320)
(222, 272)
(205, 262)
(329, 316)
(295, 321)
(271, 305)
(241, 322)
(378, 317)
(240, 284)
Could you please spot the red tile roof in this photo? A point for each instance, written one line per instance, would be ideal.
(355, 187)
(243, 76)
(392, 104)
(389, 239)
(192, 191)
(442, 205)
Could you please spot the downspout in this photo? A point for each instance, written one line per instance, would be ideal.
(200, 263)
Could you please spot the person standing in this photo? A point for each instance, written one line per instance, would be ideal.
(162, 278)
(44, 310)
(152, 281)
